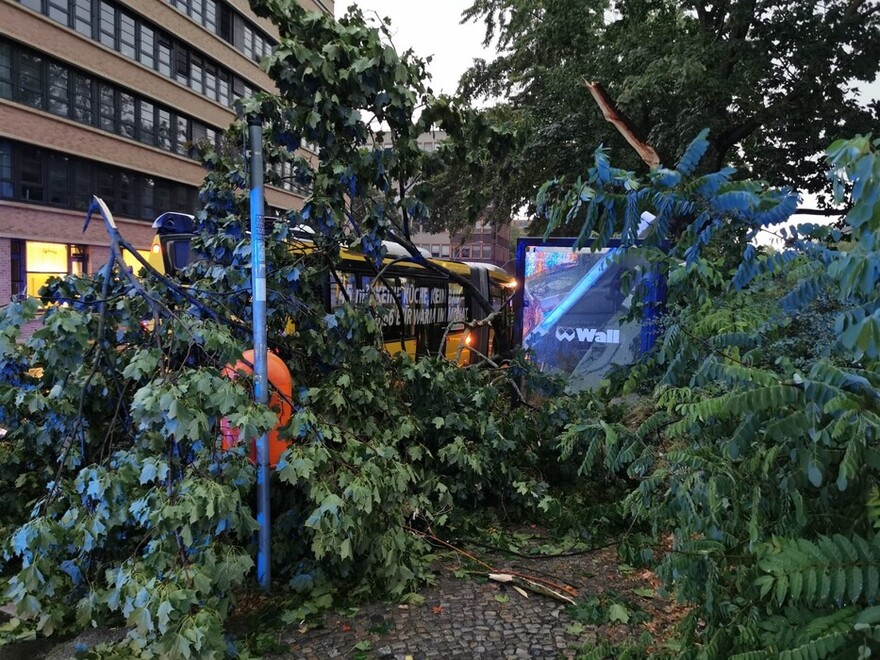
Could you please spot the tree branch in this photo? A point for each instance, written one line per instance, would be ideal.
(623, 125)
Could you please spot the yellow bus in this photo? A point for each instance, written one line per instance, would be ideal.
(421, 311)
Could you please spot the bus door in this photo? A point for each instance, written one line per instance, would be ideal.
(480, 337)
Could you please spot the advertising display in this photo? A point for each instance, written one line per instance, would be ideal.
(573, 308)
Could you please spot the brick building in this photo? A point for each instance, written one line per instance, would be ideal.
(103, 97)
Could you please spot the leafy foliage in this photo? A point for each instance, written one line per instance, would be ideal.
(760, 459)
(771, 99)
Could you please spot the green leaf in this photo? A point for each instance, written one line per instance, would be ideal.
(617, 613)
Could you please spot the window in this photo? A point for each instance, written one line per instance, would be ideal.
(30, 80)
(487, 251)
(147, 190)
(5, 70)
(126, 115)
(223, 87)
(36, 5)
(163, 194)
(105, 185)
(199, 131)
(82, 17)
(125, 201)
(59, 93)
(181, 64)
(106, 107)
(147, 123)
(444, 251)
(465, 251)
(237, 86)
(147, 47)
(164, 50)
(182, 135)
(48, 177)
(58, 190)
(5, 169)
(107, 25)
(58, 11)
(164, 129)
(211, 81)
(127, 33)
(225, 31)
(249, 42)
(211, 15)
(31, 183)
(81, 181)
(82, 98)
(197, 74)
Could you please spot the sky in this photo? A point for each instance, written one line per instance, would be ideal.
(431, 27)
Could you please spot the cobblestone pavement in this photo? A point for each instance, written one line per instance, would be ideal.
(476, 618)
(461, 618)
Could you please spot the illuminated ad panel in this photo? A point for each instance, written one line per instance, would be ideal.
(573, 309)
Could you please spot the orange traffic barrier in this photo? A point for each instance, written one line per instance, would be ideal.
(279, 401)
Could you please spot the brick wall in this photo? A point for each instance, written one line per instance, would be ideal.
(98, 256)
(5, 270)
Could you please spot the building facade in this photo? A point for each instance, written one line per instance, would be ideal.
(104, 97)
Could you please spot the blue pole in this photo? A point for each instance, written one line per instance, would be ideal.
(261, 369)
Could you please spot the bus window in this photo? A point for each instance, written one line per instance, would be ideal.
(179, 253)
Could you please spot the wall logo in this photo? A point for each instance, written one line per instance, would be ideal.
(591, 335)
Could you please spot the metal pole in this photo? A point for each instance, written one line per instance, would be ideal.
(261, 380)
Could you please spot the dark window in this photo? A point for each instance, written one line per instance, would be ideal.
(31, 177)
(5, 169)
(162, 197)
(59, 92)
(238, 86)
(5, 70)
(181, 64)
(105, 184)
(125, 201)
(107, 107)
(39, 175)
(81, 182)
(147, 191)
(107, 31)
(225, 31)
(82, 99)
(58, 180)
(180, 197)
(127, 41)
(30, 80)
(82, 17)
(147, 123)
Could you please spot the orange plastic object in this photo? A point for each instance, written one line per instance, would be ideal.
(282, 384)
